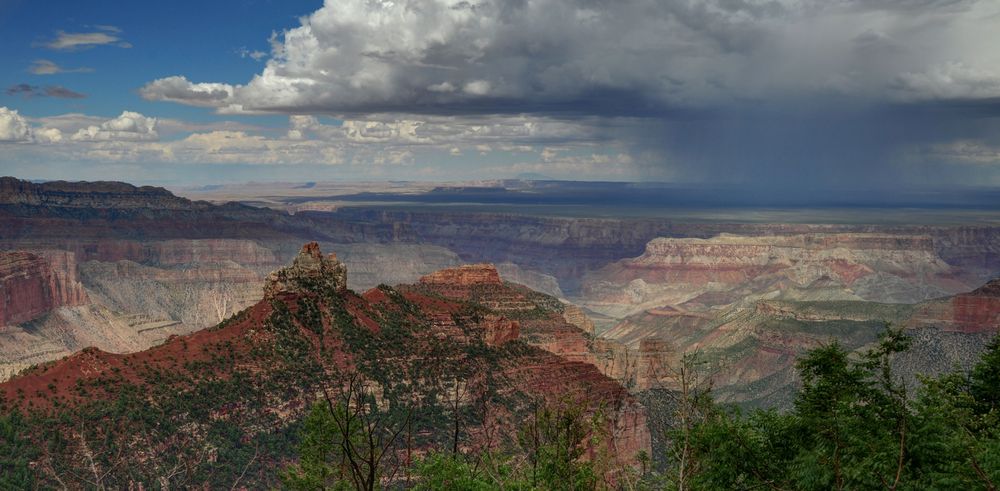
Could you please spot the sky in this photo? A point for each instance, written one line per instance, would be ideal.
(803, 96)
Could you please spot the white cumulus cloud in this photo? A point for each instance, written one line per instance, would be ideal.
(129, 126)
(13, 126)
(48, 135)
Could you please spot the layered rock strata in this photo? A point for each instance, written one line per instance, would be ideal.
(876, 267)
(972, 312)
(32, 284)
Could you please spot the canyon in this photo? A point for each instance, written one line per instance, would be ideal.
(151, 264)
(592, 308)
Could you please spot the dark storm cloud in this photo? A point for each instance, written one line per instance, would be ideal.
(495, 56)
(776, 93)
(822, 149)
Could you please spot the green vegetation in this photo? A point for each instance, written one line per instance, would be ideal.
(545, 456)
(853, 426)
(16, 453)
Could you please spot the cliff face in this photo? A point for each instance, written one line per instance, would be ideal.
(877, 267)
(576, 316)
(124, 296)
(159, 252)
(32, 284)
(650, 364)
(979, 310)
(973, 312)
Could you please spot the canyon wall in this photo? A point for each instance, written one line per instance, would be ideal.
(749, 348)
(153, 264)
(726, 268)
(32, 284)
(973, 312)
(568, 248)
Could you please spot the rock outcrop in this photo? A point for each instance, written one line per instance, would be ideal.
(464, 276)
(498, 329)
(651, 364)
(576, 316)
(310, 271)
(32, 284)
(545, 322)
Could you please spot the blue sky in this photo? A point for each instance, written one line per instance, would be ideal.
(203, 39)
(815, 95)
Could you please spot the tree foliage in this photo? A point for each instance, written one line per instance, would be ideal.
(854, 426)
(16, 454)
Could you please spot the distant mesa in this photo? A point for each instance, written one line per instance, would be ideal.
(532, 176)
(466, 275)
(97, 194)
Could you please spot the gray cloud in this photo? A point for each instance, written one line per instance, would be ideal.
(494, 56)
(104, 36)
(46, 67)
(179, 89)
(953, 80)
(28, 91)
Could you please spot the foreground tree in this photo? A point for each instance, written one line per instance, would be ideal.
(16, 453)
(854, 426)
(348, 441)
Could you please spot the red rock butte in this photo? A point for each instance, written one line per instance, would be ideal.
(466, 275)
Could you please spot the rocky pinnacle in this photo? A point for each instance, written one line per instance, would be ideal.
(310, 271)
